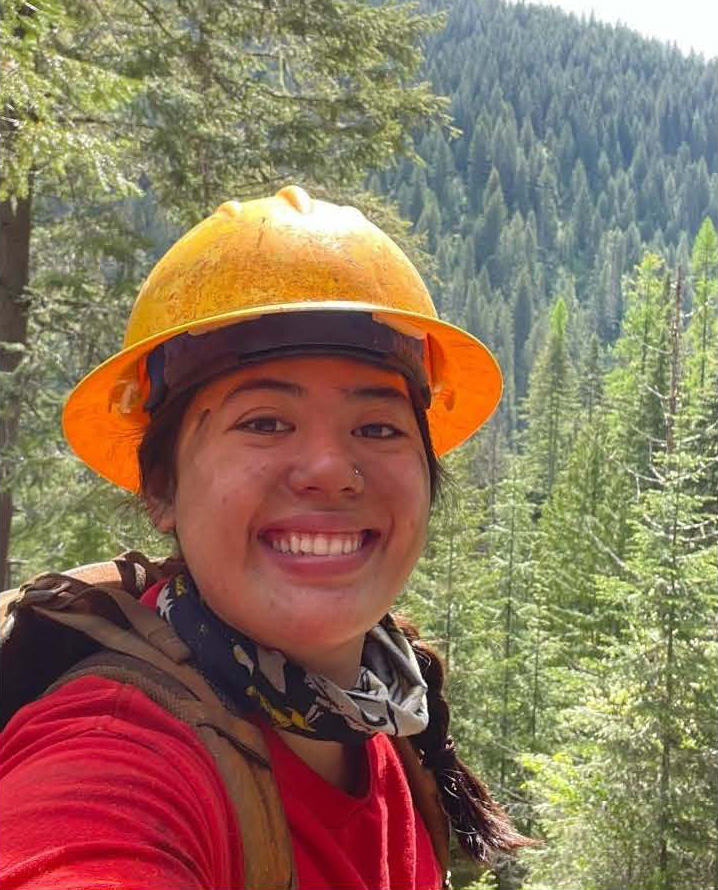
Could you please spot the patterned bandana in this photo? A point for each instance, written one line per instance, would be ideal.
(389, 696)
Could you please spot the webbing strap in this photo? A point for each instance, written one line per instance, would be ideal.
(61, 592)
(425, 794)
(151, 626)
(111, 636)
(237, 746)
(266, 841)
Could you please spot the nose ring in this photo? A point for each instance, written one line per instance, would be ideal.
(358, 476)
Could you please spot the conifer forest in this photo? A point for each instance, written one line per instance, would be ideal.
(556, 181)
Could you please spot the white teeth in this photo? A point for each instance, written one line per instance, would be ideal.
(321, 545)
(317, 545)
(336, 547)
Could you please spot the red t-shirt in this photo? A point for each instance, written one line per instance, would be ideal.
(101, 788)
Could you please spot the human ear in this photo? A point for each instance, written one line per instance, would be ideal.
(161, 513)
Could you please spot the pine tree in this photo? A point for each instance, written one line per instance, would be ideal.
(637, 386)
(488, 228)
(550, 402)
(429, 223)
(703, 329)
(479, 165)
(523, 320)
(504, 151)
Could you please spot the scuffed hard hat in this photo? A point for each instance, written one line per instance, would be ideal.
(271, 257)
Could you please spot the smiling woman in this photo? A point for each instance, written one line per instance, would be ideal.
(267, 480)
(284, 391)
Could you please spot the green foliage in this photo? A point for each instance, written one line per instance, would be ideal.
(551, 399)
(207, 102)
(628, 577)
(702, 334)
(90, 286)
(564, 168)
(637, 385)
(179, 106)
(593, 604)
(63, 110)
(570, 573)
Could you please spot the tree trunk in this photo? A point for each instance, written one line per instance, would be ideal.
(676, 327)
(508, 634)
(449, 602)
(14, 305)
(664, 815)
(667, 742)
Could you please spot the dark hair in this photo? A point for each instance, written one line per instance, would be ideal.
(157, 451)
(480, 825)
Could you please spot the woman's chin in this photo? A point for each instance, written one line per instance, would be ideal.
(307, 635)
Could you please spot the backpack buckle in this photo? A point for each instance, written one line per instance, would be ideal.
(31, 594)
(41, 591)
(35, 594)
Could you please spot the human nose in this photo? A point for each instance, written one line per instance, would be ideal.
(326, 467)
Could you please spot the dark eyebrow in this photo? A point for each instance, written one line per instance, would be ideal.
(377, 392)
(265, 383)
(272, 384)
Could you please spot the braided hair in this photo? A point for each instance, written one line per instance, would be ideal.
(481, 826)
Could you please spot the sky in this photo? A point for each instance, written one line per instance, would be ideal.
(691, 24)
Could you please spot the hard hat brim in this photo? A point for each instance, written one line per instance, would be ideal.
(467, 386)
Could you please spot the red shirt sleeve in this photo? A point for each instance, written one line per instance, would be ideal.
(100, 788)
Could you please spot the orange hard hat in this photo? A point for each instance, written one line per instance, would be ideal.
(284, 254)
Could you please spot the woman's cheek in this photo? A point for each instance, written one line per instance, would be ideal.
(417, 487)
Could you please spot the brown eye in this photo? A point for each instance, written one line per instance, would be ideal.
(265, 425)
(379, 431)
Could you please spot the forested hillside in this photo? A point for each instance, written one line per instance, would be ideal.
(572, 582)
(579, 145)
(570, 208)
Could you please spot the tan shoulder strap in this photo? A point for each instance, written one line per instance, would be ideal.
(427, 800)
(245, 767)
(95, 601)
(147, 653)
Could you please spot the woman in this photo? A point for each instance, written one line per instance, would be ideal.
(280, 401)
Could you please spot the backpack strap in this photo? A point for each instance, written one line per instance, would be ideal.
(427, 800)
(239, 752)
(146, 652)
(99, 603)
